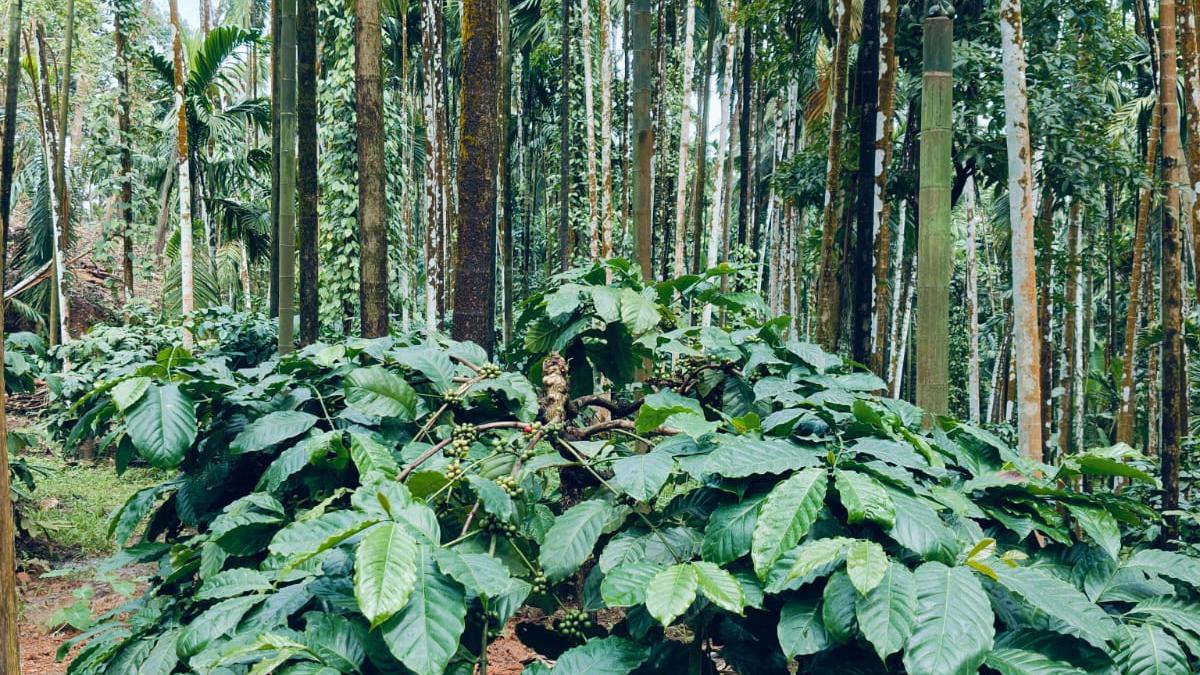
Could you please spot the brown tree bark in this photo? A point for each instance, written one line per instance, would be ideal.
(861, 329)
(828, 288)
(372, 184)
(120, 19)
(566, 239)
(882, 207)
(643, 138)
(479, 135)
(307, 163)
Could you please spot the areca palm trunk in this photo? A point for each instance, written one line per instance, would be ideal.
(372, 186)
(1191, 97)
(307, 182)
(828, 290)
(606, 113)
(10, 656)
(186, 283)
(863, 328)
(589, 125)
(566, 243)
(51, 155)
(1174, 376)
(62, 235)
(1072, 331)
(121, 15)
(1126, 412)
(888, 66)
(1020, 190)
(287, 172)
(435, 212)
(478, 138)
(685, 130)
(643, 137)
(716, 220)
(972, 293)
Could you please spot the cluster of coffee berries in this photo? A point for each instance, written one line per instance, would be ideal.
(461, 437)
(540, 583)
(510, 486)
(531, 428)
(454, 471)
(493, 525)
(574, 622)
(491, 619)
(452, 398)
(490, 371)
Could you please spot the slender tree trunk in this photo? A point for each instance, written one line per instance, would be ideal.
(1127, 412)
(745, 221)
(1044, 246)
(1071, 332)
(479, 134)
(899, 278)
(186, 284)
(862, 329)
(972, 293)
(696, 205)
(62, 235)
(685, 130)
(1020, 190)
(1191, 91)
(900, 353)
(716, 221)
(585, 18)
(606, 113)
(372, 184)
(643, 138)
(828, 290)
(566, 238)
(50, 155)
(1174, 375)
(273, 292)
(934, 243)
(307, 182)
(10, 656)
(435, 208)
(121, 16)
(287, 172)
(504, 167)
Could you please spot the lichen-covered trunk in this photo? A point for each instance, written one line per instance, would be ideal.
(1020, 201)
(606, 113)
(120, 17)
(372, 184)
(186, 283)
(828, 290)
(1071, 332)
(503, 164)
(306, 160)
(1128, 399)
(716, 220)
(862, 328)
(287, 172)
(478, 139)
(589, 125)
(435, 173)
(898, 293)
(934, 241)
(1191, 97)
(696, 203)
(643, 138)
(566, 238)
(746, 230)
(972, 295)
(1174, 375)
(685, 130)
(882, 206)
(273, 291)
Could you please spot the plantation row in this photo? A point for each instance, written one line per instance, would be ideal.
(387, 505)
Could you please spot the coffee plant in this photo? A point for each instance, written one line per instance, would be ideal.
(733, 500)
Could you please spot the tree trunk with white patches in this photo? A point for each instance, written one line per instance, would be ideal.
(685, 130)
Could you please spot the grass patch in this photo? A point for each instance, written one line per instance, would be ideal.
(72, 502)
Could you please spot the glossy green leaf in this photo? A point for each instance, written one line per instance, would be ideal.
(642, 476)
(271, 429)
(572, 537)
(480, 573)
(800, 630)
(864, 498)
(720, 587)
(730, 529)
(425, 634)
(887, 613)
(953, 630)
(385, 571)
(378, 392)
(162, 425)
(866, 564)
(625, 585)
(671, 592)
(1073, 612)
(786, 516)
(1148, 650)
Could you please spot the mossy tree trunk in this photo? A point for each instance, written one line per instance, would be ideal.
(307, 163)
(372, 184)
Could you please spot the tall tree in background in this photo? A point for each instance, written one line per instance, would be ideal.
(435, 172)
(186, 282)
(287, 172)
(589, 125)
(122, 17)
(10, 656)
(306, 179)
(643, 137)
(273, 292)
(478, 139)
(606, 112)
(566, 236)
(685, 131)
(1026, 344)
(746, 187)
(864, 239)
(372, 184)
(60, 316)
(828, 290)
(1174, 373)
(696, 206)
(934, 244)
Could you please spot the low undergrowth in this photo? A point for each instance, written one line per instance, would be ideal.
(736, 497)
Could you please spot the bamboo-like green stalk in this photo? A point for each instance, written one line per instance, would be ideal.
(934, 263)
(287, 171)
